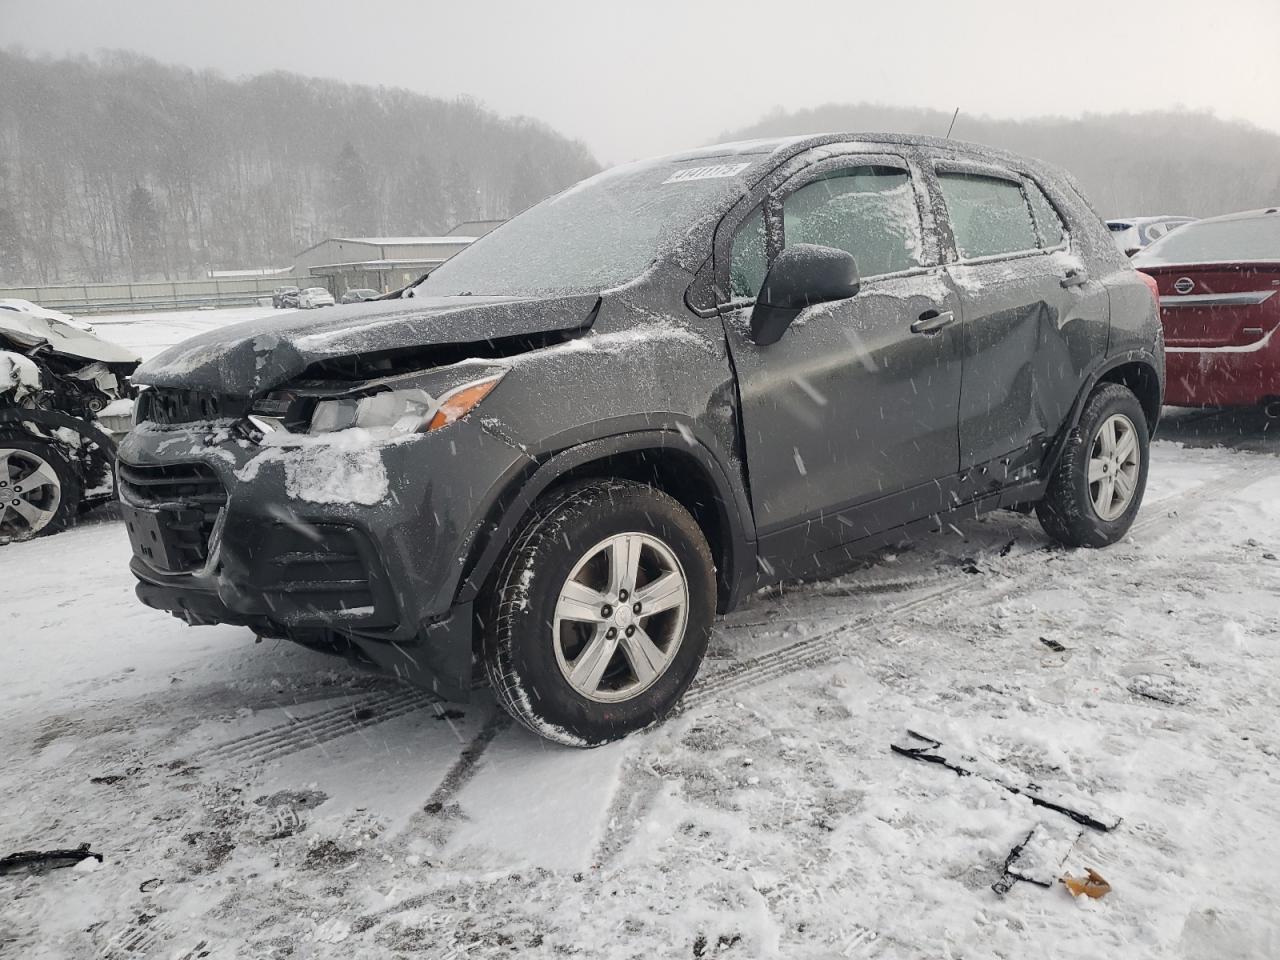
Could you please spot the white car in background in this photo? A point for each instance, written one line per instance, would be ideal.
(313, 297)
(1131, 234)
(16, 305)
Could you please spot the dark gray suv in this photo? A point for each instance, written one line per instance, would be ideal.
(569, 447)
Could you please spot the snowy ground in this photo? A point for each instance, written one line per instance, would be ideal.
(261, 801)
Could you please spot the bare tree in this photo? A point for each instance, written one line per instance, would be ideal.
(117, 166)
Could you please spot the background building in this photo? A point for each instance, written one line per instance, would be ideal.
(382, 263)
(339, 264)
(376, 263)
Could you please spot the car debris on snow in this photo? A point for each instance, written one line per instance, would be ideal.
(1039, 857)
(38, 861)
(916, 746)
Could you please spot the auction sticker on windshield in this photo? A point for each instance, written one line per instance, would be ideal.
(719, 171)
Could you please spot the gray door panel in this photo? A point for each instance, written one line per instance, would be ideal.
(1031, 311)
(848, 407)
(1027, 344)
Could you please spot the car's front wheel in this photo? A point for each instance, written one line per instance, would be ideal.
(1097, 488)
(600, 614)
(39, 491)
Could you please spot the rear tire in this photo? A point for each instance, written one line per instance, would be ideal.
(39, 489)
(1096, 491)
(570, 648)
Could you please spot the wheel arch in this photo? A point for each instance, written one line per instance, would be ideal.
(1141, 378)
(665, 459)
(1139, 372)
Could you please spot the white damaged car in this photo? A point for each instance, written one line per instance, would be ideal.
(65, 396)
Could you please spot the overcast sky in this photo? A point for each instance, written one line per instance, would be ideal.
(649, 76)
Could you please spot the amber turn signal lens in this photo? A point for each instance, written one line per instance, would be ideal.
(456, 405)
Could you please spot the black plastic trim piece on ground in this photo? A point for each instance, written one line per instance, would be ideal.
(932, 751)
(37, 861)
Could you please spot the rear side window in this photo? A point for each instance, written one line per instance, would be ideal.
(989, 215)
(1048, 223)
(868, 211)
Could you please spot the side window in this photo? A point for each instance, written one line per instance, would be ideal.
(989, 215)
(869, 211)
(747, 265)
(1048, 223)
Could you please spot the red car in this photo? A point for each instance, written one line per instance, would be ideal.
(1219, 286)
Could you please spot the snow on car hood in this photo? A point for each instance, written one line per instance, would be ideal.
(31, 329)
(251, 357)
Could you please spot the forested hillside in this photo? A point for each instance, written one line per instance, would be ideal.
(119, 167)
(1129, 164)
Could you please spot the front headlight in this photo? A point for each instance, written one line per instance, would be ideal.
(141, 405)
(401, 411)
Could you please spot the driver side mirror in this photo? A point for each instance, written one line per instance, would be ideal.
(803, 274)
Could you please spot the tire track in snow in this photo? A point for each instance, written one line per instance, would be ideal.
(638, 788)
(143, 936)
(815, 598)
(136, 939)
(1156, 515)
(464, 768)
(825, 645)
(298, 734)
(437, 815)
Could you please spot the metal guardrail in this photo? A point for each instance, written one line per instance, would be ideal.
(153, 295)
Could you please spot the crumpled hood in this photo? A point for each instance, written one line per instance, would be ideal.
(29, 329)
(255, 356)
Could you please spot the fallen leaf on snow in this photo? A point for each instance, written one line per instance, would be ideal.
(1091, 885)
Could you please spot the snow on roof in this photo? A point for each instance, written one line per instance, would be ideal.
(253, 272)
(405, 241)
(1148, 219)
(461, 229)
(381, 264)
(1247, 214)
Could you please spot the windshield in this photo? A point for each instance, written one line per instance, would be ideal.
(598, 234)
(1216, 241)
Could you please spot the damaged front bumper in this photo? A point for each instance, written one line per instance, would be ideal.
(357, 550)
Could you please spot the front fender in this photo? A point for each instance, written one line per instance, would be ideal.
(680, 436)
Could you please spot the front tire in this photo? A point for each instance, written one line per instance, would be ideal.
(1094, 495)
(600, 614)
(39, 490)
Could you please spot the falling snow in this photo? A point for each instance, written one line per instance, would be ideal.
(266, 801)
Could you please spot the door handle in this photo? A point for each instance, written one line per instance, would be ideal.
(1074, 278)
(931, 321)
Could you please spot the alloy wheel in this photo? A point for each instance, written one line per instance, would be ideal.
(620, 617)
(30, 493)
(1115, 459)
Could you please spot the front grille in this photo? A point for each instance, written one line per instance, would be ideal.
(167, 406)
(188, 498)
